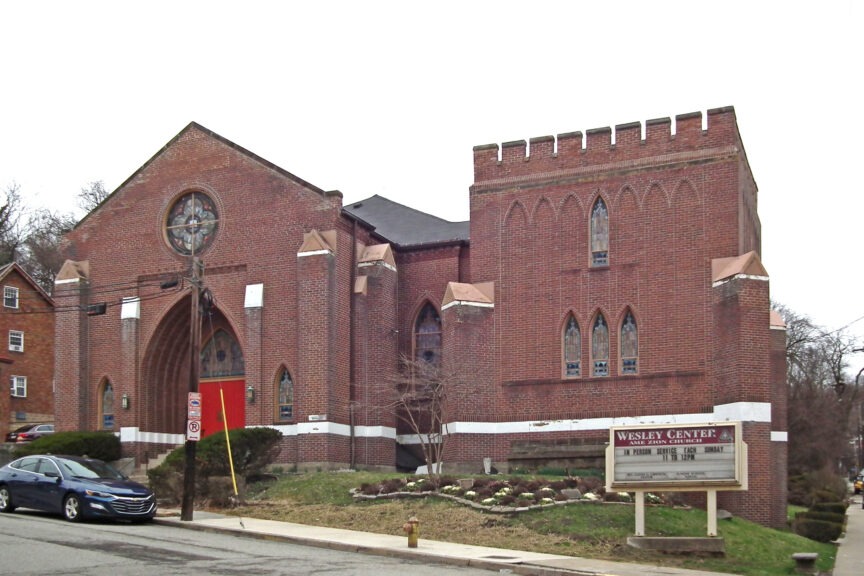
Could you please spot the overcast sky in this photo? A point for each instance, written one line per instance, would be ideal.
(390, 97)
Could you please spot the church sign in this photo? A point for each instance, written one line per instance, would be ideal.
(679, 457)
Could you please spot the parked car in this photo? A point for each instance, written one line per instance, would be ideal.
(858, 484)
(29, 432)
(74, 486)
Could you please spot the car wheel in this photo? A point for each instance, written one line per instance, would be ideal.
(5, 500)
(72, 508)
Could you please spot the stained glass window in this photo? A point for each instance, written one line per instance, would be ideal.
(427, 336)
(629, 345)
(108, 406)
(222, 356)
(192, 223)
(572, 348)
(599, 234)
(286, 396)
(600, 346)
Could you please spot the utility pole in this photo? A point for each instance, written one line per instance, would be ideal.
(194, 366)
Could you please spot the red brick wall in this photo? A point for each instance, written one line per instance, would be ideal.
(34, 318)
(265, 213)
(675, 203)
(376, 362)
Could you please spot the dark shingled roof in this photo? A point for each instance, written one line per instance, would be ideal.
(405, 226)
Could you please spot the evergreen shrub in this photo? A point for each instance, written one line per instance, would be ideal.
(101, 445)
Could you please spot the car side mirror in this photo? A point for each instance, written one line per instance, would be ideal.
(52, 475)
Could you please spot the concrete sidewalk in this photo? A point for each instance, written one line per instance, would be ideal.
(496, 559)
(850, 554)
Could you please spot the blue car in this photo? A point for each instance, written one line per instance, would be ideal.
(76, 487)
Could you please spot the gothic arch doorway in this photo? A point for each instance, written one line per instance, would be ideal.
(165, 373)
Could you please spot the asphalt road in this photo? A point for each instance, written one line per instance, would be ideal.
(35, 544)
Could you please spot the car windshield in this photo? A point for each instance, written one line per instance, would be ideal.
(90, 469)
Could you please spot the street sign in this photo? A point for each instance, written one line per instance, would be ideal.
(193, 417)
(193, 430)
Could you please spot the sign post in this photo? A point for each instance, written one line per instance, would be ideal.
(685, 457)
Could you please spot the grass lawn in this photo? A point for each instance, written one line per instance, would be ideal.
(593, 530)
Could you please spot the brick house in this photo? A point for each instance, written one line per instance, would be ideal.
(596, 284)
(27, 324)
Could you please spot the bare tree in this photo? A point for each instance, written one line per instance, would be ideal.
(11, 235)
(822, 395)
(41, 256)
(421, 398)
(32, 237)
(92, 196)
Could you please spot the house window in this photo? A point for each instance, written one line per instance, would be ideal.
(286, 396)
(427, 336)
(16, 341)
(600, 346)
(629, 345)
(599, 234)
(108, 406)
(19, 386)
(10, 297)
(572, 349)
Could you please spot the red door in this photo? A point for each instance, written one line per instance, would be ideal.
(212, 417)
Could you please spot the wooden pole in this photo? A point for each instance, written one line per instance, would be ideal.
(188, 502)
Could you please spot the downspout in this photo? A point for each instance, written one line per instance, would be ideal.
(352, 439)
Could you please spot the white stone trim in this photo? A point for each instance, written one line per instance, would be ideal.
(313, 253)
(254, 296)
(742, 276)
(134, 434)
(744, 412)
(68, 281)
(386, 265)
(335, 429)
(467, 303)
(131, 308)
(735, 412)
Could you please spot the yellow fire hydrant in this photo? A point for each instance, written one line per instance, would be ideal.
(412, 529)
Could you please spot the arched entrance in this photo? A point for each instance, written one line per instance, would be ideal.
(164, 385)
(222, 384)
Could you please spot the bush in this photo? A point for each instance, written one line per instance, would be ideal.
(101, 445)
(252, 450)
(818, 530)
(824, 516)
(833, 507)
(817, 486)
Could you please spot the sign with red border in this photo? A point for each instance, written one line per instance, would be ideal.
(676, 457)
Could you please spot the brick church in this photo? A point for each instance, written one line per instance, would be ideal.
(604, 278)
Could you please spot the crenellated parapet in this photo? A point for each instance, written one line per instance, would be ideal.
(601, 146)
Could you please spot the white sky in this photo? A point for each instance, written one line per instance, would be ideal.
(390, 97)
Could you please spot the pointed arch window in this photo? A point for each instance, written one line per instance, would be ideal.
(222, 356)
(599, 234)
(600, 347)
(629, 345)
(285, 394)
(572, 348)
(107, 401)
(427, 336)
